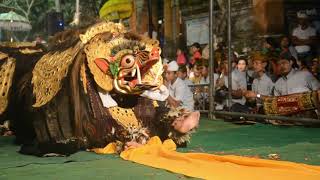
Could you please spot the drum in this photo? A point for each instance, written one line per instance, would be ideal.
(291, 104)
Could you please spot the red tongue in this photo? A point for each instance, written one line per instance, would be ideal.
(133, 83)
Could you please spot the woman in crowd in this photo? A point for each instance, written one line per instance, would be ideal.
(195, 51)
(286, 46)
(181, 58)
(239, 86)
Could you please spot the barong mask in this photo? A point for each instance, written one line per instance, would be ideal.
(117, 59)
(129, 63)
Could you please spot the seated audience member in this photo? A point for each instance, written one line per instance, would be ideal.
(297, 93)
(221, 85)
(293, 81)
(183, 75)
(221, 75)
(286, 46)
(271, 50)
(243, 65)
(195, 74)
(180, 93)
(204, 66)
(303, 37)
(301, 66)
(250, 72)
(315, 69)
(262, 85)
(269, 45)
(205, 52)
(195, 51)
(201, 94)
(181, 57)
(239, 86)
(222, 69)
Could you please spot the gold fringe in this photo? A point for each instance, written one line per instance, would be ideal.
(17, 44)
(83, 77)
(30, 51)
(125, 117)
(115, 28)
(48, 73)
(3, 56)
(6, 74)
(100, 49)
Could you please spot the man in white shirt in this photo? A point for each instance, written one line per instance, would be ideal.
(293, 81)
(205, 79)
(239, 82)
(239, 86)
(180, 93)
(262, 85)
(183, 75)
(303, 37)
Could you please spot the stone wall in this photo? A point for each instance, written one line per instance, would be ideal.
(251, 20)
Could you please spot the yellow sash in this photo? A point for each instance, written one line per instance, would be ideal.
(208, 166)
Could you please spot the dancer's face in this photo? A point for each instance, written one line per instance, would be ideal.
(186, 122)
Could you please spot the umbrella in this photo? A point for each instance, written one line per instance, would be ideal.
(116, 9)
(12, 21)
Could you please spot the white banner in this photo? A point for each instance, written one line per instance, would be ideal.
(197, 31)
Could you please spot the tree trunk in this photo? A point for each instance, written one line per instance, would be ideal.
(58, 5)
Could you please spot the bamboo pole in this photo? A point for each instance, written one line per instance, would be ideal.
(211, 60)
(229, 57)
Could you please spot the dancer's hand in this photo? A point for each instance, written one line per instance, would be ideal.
(132, 144)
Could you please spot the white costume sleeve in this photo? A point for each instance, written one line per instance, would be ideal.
(106, 99)
(158, 95)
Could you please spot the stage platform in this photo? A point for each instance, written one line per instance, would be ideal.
(296, 144)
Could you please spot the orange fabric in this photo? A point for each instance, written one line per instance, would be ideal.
(207, 166)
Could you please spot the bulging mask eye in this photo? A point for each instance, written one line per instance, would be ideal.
(127, 61)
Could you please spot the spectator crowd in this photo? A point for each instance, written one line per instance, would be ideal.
(279, 66)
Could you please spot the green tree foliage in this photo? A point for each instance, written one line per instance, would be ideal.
(36, 12)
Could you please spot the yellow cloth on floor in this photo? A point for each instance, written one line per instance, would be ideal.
(208, 166)
(111, 148)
